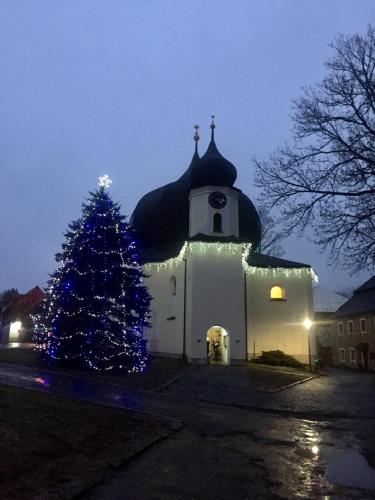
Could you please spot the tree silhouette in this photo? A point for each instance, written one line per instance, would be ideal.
(325, 181)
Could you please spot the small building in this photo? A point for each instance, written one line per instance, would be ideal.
(215, 297)
(354, 329)
(326, 303)
(16, 324)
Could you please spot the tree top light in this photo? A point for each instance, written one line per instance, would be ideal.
(105, 181)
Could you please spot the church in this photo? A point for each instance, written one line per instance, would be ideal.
(216, 299)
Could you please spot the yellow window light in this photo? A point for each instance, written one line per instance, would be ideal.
(277, 293)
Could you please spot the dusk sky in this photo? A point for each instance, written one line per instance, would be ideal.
(114, 87)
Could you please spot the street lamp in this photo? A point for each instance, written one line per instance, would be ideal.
(308, 324)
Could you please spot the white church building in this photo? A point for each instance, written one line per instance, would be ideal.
(215, 298)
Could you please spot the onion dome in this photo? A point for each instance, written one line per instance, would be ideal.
(213, 169)
(161, 217)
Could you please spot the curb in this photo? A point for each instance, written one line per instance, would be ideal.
(86, 376)
(272, 391)
(167, 384)
(90, 489)
(287, 413)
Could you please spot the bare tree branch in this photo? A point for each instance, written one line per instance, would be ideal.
(326, 180)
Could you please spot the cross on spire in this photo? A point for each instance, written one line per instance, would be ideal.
(212, 127)
(196, 137)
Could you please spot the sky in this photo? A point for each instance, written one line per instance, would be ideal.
(93, 87)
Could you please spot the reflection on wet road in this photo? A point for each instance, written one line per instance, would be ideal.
(270, 454)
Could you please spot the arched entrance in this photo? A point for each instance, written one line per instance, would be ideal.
(217, 345)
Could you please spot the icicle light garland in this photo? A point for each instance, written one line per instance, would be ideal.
(203, 247)
(233, 248)
(276, 272)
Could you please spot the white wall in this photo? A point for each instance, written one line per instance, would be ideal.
(166, 335)
(279, 324)
(215, 297)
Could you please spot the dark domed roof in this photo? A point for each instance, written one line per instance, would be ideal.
(161, 217)
(213, 169)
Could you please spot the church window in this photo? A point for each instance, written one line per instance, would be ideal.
(173, 285)
(172, 299)
(342, 354)
(351, 327)
(352, 355)
(277, 293)
(218, 223)
(362, 325)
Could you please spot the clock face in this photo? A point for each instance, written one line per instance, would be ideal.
(217, 199)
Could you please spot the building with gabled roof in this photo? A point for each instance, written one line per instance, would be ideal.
(326, 302)
(354, 329)
(16, 324)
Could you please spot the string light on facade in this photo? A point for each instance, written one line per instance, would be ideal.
(276, 272)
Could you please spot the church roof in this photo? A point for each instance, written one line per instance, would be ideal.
(213, 169)
(161, 217)
(262, 260)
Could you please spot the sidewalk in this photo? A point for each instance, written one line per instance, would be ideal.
(337, 395)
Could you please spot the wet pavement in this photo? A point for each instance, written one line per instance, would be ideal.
(312, 440)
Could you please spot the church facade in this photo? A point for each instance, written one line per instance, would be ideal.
(215, 298)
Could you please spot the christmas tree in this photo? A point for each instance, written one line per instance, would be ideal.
(96, 306)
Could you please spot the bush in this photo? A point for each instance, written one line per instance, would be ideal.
(277, 358)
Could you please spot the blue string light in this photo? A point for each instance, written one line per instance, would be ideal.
(96, 306)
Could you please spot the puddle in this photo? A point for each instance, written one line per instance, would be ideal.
(347, 467)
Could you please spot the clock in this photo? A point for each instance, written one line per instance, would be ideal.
(217, 199)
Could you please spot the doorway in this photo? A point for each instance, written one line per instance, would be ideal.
(217, 346)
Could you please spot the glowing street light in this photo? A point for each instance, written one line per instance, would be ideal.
(307, 324)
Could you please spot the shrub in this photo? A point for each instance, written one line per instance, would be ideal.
(277, 358)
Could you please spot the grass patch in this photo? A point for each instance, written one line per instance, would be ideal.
(285, 369)
(21, 356)
(159, 371)
(272, 378)
(54, 447)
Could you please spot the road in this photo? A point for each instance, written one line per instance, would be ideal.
(312, 440)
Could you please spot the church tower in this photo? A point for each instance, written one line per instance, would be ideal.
(213, 199)
(215, 297)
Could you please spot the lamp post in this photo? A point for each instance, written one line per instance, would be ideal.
(308, 324)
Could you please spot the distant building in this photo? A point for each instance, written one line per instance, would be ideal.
(214, 297)
(326, 303)
(354, 329)
(16, 326)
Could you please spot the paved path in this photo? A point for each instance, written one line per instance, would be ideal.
(340, 394)
(226, 449)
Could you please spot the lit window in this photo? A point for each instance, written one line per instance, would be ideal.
(277, 293)
(340, 328)
(350, 327)
(14, 330)
(352, 355)
(218, 223)
(342, 354)
(362, 325)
